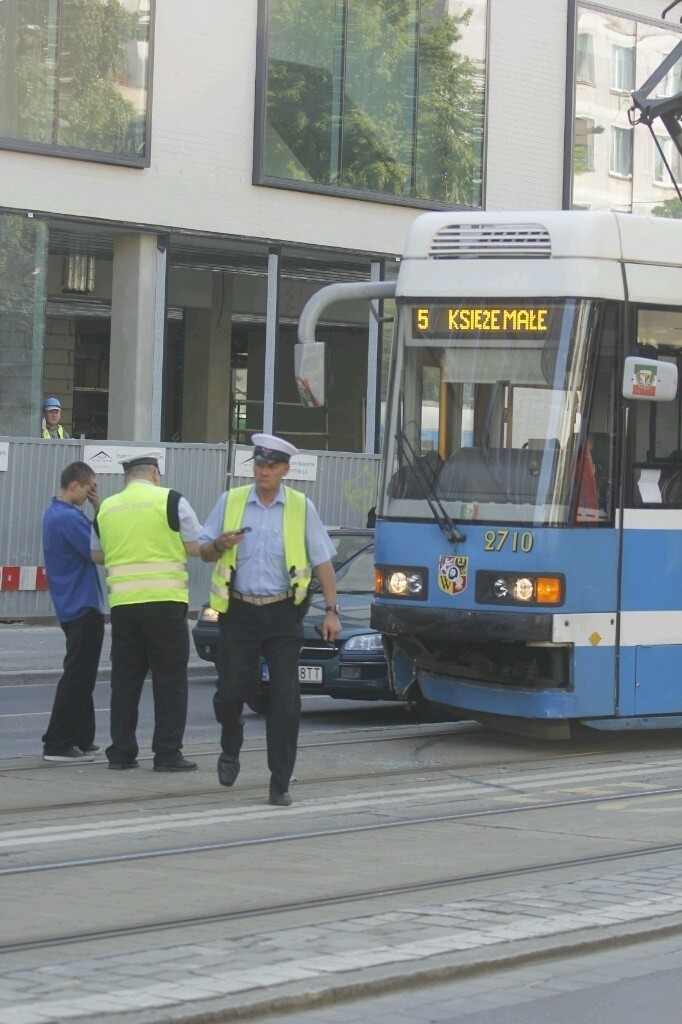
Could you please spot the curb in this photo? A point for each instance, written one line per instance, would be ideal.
(13, 677)
(325, 992)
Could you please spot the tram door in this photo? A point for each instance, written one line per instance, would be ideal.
(651, 589)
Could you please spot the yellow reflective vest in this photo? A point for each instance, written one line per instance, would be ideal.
(295, 554)
(145, 559)
(61, 433)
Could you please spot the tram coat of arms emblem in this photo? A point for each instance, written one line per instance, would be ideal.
(453, 571)
(644, 382)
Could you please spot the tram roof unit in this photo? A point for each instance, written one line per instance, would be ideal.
(542, 253)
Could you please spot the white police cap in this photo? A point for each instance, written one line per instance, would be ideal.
(270, 449)
(140, 458)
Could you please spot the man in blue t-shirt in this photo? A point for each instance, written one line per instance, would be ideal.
(76, 593)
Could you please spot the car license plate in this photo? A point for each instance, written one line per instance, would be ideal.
(306, 673)
(310, 673)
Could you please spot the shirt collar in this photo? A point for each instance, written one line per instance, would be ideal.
(253, 498)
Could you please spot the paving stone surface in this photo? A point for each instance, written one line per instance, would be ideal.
(183, 975)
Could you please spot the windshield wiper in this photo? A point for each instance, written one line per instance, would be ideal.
(428, 488)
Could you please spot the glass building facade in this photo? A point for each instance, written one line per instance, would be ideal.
(616, 166)
(23, 265)
(381, 100)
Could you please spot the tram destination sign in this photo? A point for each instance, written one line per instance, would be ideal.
(445, 320)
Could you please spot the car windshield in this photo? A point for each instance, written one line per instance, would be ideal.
(348, 544)
(356, 576)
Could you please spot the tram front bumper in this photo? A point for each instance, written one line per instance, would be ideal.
(460, 624)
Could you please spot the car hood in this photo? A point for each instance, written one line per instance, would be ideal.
(354, 616)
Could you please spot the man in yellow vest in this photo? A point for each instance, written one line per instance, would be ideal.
(266, 541)
(143, 536)
(52, 428)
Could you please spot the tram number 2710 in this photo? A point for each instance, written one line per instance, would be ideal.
(495, 540)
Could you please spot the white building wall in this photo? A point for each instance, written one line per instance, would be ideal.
(526, 100)
(202, 136)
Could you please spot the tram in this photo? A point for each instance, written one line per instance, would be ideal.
(529, 565)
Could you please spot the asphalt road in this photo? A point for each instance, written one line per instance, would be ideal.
(25, 711)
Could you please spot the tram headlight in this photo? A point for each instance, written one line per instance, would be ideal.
(522, 588)
(399, 581)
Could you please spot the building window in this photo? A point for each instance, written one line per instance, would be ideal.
(621, 151)
(368, 97)
(622, 68)
(583, 145)
(584, 59)
(74, 77)
(673, 159)
(672, 83)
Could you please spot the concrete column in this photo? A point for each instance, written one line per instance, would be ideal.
(206, 384)
(137, 289)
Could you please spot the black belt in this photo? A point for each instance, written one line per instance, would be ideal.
(261, 599)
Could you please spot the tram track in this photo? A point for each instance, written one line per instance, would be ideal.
(324, 833)
(338, 900)
(253, 788)
(248, 788)
(380, 734)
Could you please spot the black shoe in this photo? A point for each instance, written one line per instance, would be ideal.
(123, 766)
(278, 798)
(228, 770)
(91, 748)
(178, 764)
(70, 755)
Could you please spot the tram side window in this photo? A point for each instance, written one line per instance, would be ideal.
(655, 441)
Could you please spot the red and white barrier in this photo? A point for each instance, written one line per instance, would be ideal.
(23, 577)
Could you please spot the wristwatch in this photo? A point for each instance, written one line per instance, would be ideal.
(332, 608)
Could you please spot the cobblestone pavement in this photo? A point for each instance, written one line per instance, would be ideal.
(171, 981)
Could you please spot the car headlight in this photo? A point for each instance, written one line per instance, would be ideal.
(364, 642)
(208, 614)
(400, 581)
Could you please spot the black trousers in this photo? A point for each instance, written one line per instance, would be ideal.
(72, 722)
(148, 637)
(245, 632)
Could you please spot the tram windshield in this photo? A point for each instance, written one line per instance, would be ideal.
(502, 410)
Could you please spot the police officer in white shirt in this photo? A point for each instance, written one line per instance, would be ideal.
(266, 540)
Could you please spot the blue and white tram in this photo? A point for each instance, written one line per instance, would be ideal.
(529, 567)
